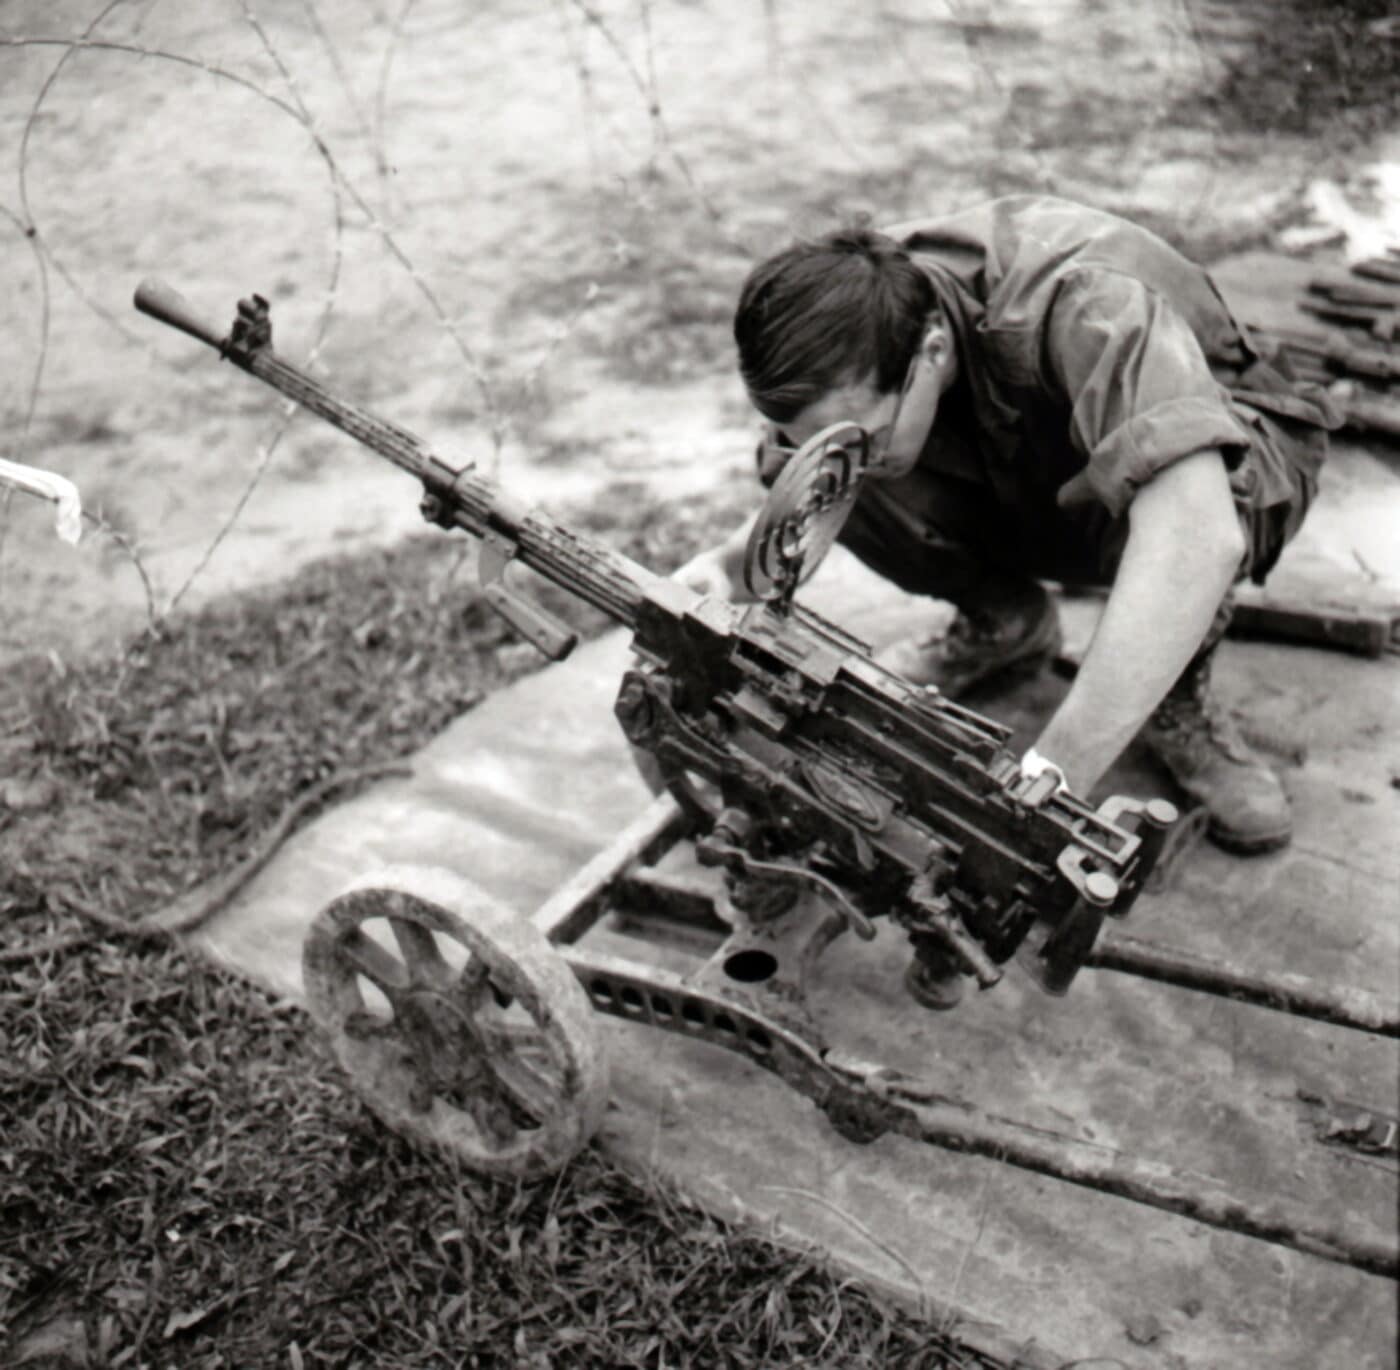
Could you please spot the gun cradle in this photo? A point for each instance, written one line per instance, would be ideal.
(894, 800)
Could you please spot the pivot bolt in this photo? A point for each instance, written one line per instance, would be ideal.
(1100, 888)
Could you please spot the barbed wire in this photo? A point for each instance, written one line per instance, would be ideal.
(268, 447)
(98, 521)
(495, 419)
(578, 56)
(381, 89)
(28, 233)
(635, 51)
(340, 185)
(30, 224)
(31, 230)
(36, 381)
(25, 222)
(343, 76)
(647, 88)
(111, 320)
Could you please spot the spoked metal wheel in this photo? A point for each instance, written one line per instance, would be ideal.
(456, 1020)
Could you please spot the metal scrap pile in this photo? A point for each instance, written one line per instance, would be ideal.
(1353, 351)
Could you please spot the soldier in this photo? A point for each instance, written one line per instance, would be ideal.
(1048, 393)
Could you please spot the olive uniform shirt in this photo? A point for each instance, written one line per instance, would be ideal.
(1091, 355)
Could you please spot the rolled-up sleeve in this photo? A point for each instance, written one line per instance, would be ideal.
(1139, 389)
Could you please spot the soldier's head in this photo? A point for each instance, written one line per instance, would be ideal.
(830, 329)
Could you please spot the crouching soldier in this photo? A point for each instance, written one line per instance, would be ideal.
(1048, 393)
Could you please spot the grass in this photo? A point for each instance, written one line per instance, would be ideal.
(164, 763)
(184, 1178)
(184, 1170)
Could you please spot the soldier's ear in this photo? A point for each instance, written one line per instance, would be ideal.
(936, 345)
(918, 401)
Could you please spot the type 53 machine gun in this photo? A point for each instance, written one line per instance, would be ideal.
(801, 761)
(817, 792)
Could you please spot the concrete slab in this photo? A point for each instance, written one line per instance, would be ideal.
(521, 791)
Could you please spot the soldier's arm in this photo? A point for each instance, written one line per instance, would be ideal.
(1183, 552)
(720, 570)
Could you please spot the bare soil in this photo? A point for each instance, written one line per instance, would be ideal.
(519, 230)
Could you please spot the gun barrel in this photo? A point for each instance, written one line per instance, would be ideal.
(591, 570)
(162, 302)
(595, 572)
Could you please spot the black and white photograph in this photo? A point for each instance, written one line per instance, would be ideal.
(700, 685)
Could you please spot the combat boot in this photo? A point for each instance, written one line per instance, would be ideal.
(1195, 738)
(1009, 631)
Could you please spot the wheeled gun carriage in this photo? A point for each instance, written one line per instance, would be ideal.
(809, 792)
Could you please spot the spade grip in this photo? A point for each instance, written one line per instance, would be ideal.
(161, 302)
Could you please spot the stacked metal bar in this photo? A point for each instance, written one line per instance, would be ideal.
(1353, 351)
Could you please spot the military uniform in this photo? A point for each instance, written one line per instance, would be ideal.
(1091, 355)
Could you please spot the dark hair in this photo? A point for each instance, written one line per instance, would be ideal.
(825, 313)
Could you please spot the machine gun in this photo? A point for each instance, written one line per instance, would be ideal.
(816, 766)
(822, 792)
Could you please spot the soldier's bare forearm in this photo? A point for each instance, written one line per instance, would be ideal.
(1183, 552)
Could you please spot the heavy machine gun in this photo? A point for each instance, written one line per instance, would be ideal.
(818, 793)
(818, 768)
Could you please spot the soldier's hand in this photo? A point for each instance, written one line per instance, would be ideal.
(712, 572)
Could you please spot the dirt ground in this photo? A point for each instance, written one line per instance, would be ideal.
(519, 230)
